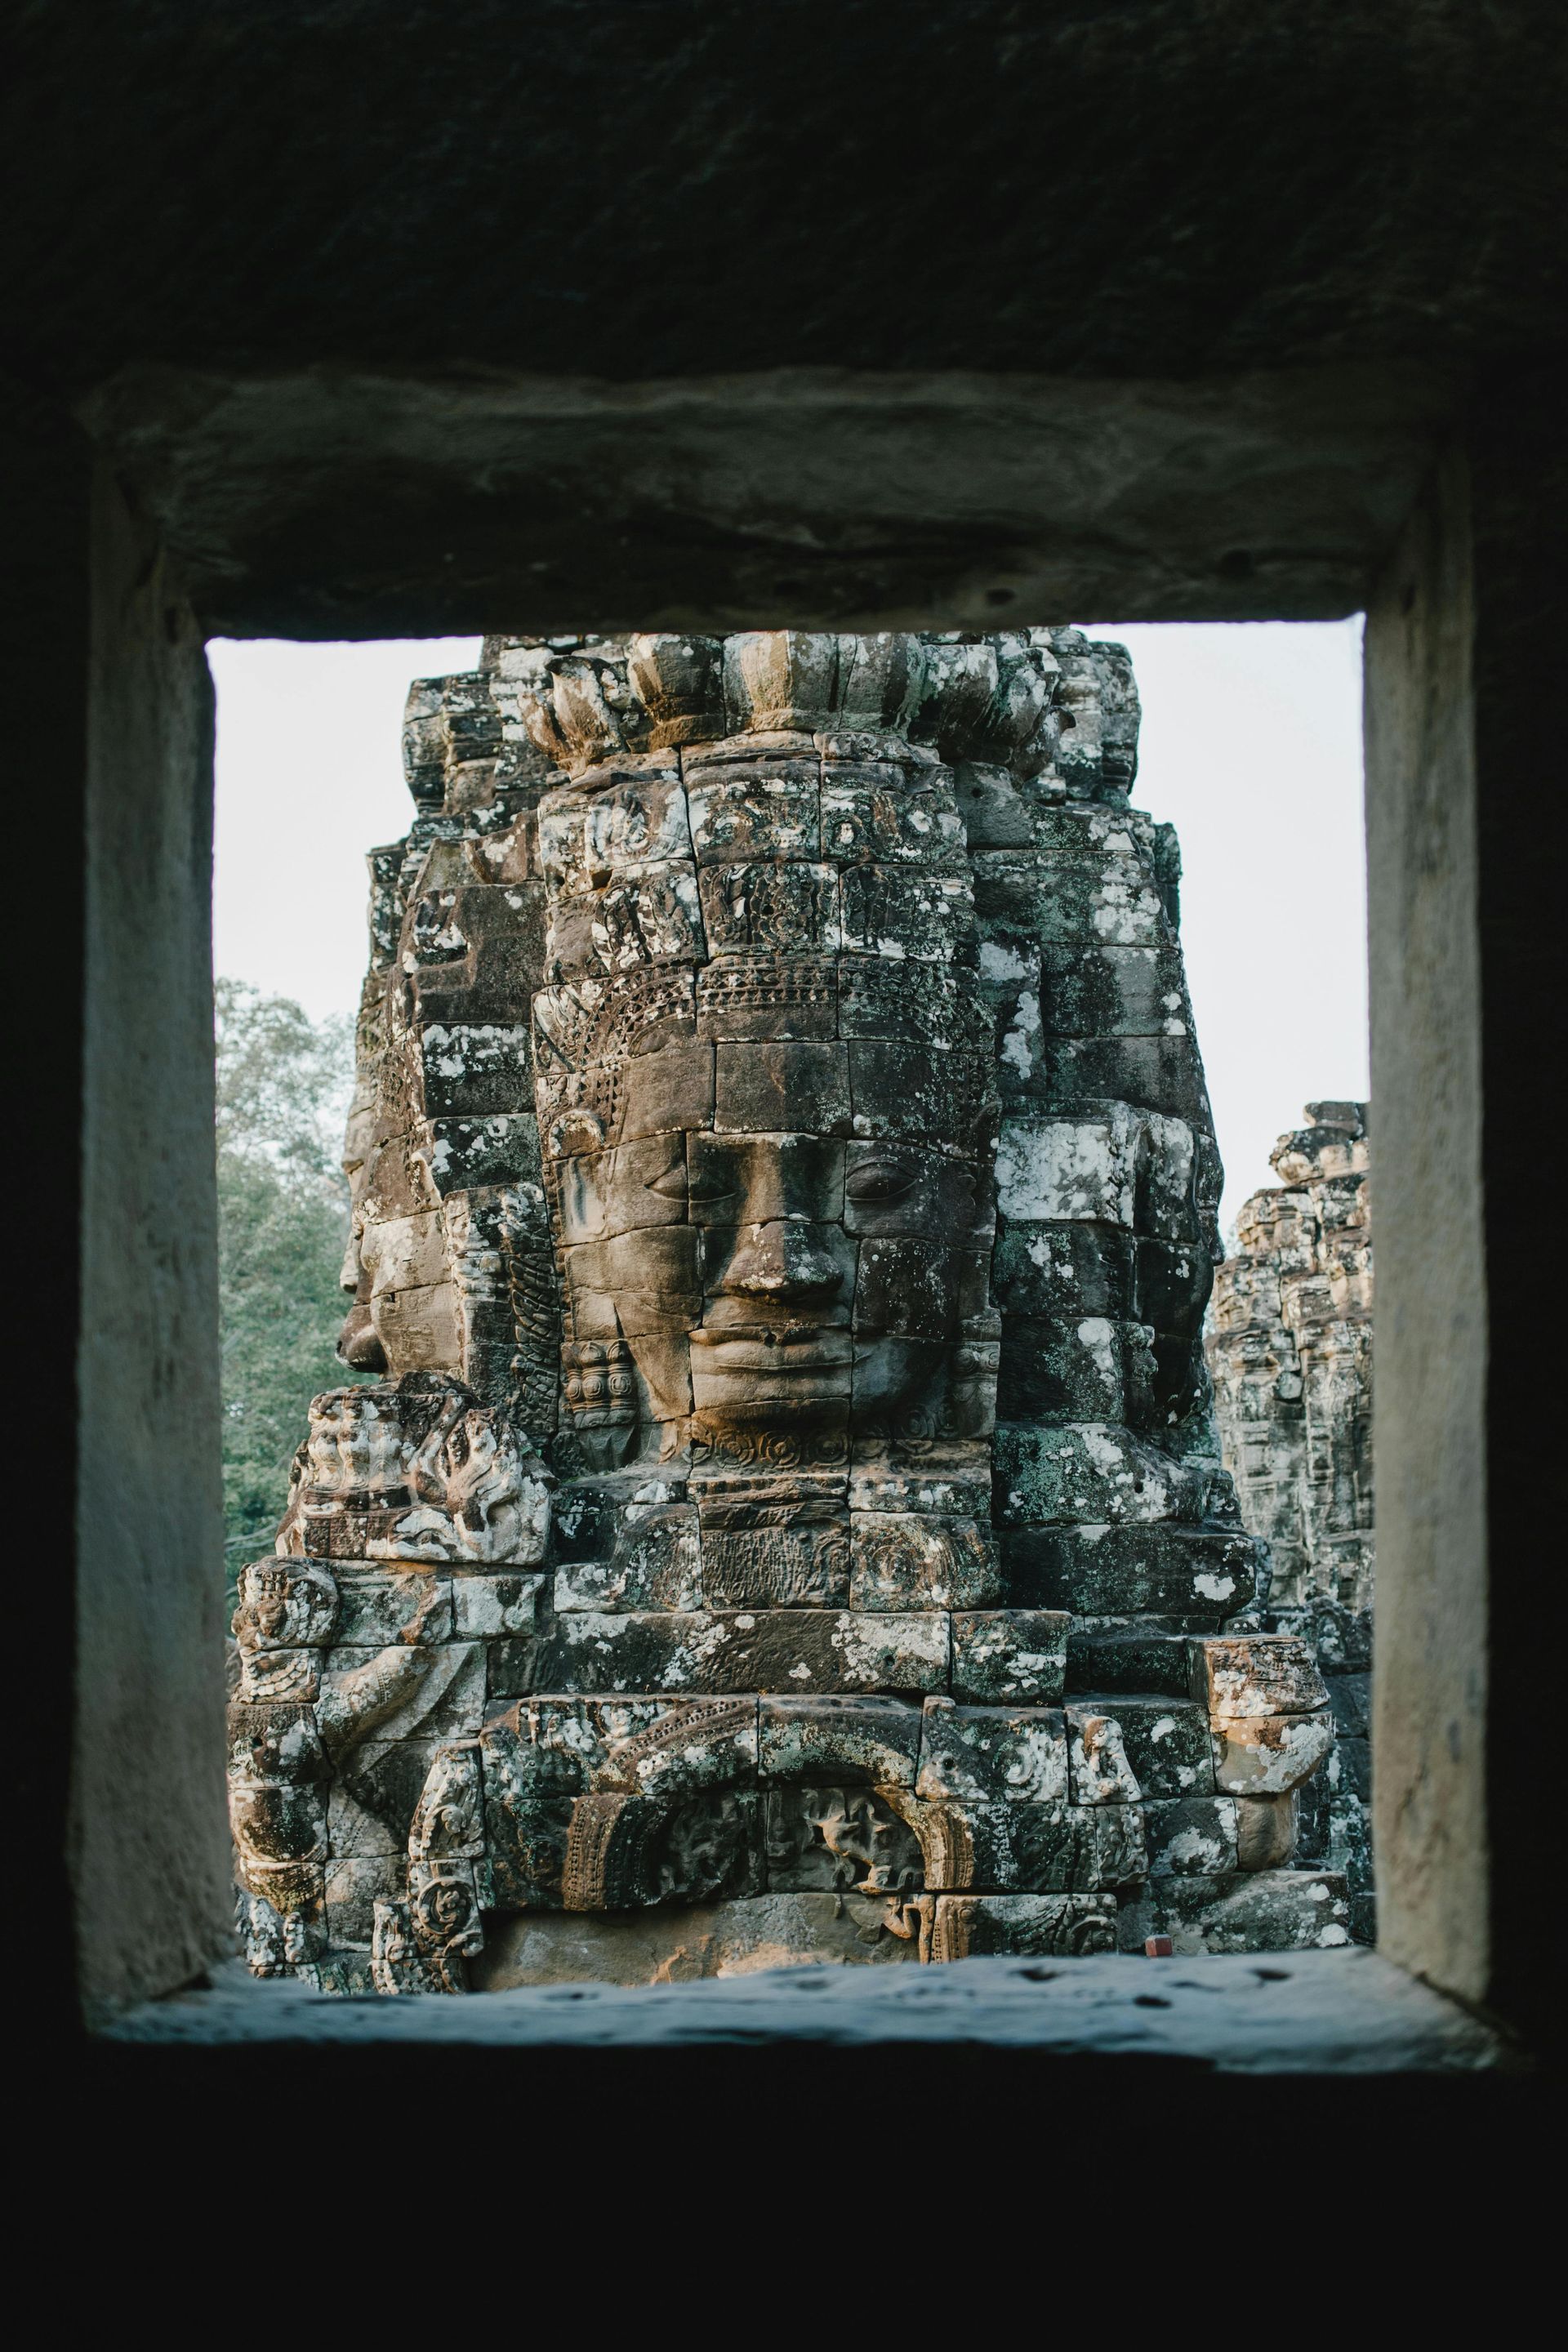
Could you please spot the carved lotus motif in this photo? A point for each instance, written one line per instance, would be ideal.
(679, 681)
(577, 707)
(980, 699)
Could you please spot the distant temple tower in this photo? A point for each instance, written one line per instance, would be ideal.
(1289, 1350)
(787, 1523)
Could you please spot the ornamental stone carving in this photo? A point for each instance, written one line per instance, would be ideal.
(789, 1522)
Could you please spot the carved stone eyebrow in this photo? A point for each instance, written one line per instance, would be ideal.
(880, 1179)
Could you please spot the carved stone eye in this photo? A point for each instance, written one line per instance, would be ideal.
(882, 1180)
(676, 1184)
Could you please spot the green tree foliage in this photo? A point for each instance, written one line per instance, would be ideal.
(283, 1086)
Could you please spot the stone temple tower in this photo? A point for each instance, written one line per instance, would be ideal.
(1290, 1350)
(781, 1516)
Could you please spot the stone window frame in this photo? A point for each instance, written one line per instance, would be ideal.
(184, 544)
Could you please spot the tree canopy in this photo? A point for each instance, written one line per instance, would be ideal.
(283, 1088)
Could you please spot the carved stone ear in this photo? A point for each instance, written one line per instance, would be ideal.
(574, 1132)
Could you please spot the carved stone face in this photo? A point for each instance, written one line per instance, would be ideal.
(780, 1278)
(769, 1163)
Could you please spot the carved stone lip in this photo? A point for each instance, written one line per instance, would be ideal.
(781, 1351)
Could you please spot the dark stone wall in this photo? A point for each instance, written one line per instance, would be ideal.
(150, 1868)
(1519, 509)
(1466, 956)
(1161, 187)
(44, 601)
(1429, 1440)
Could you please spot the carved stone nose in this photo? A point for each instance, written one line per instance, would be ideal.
(782, 1261)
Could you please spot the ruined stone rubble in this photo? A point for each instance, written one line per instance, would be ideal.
(781, 1516)
(1290, 1350)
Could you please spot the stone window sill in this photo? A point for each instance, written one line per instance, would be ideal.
(1292, 2013)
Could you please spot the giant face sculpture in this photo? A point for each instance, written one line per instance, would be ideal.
(765, 1104)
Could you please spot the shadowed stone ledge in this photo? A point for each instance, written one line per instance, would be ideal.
(1345, 2013)
(323, 502)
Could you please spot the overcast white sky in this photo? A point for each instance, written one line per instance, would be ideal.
(1250, 747)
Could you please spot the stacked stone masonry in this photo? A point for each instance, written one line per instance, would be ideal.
(782, 1515)
(1289, 1350)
